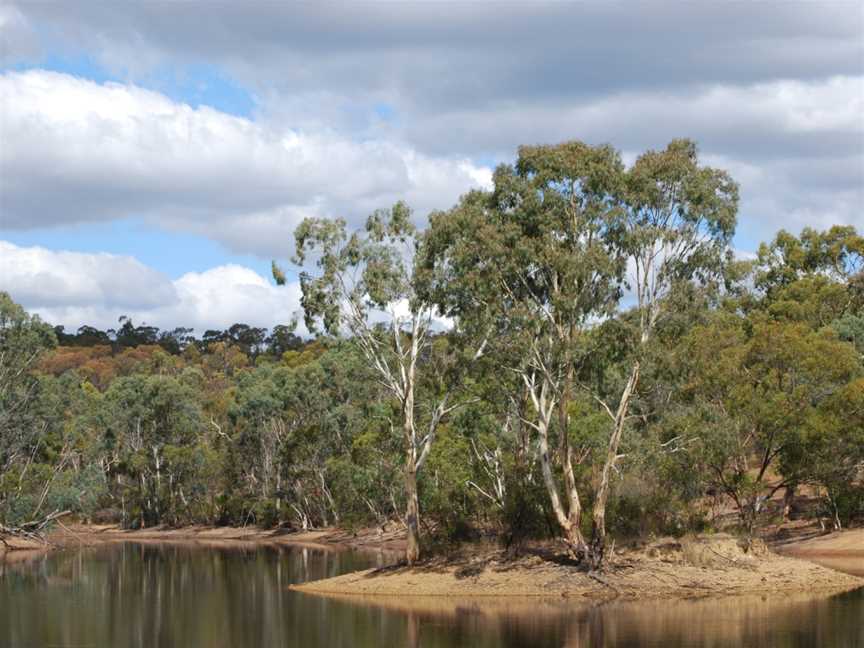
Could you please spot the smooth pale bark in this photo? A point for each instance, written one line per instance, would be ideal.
(412, 501)
(598, 527)
(370, 271)
(574, 517)
(400, 378)
(569, 520)
(412, 516)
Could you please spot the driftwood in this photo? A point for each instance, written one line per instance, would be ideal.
(32, 530)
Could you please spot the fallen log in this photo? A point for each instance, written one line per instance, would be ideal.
(31, 530)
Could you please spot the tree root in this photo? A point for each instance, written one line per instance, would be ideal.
(593, 576)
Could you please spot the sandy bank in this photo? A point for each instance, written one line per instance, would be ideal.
(14, 549)
(72, 535)
(692, 568)
(841, 543)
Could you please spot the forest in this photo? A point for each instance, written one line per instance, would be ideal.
(577, 352)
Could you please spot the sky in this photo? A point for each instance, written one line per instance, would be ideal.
(154, 157)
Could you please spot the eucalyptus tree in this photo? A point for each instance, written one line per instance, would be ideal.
(543, 258)
(291, 425)
(815, 281)
(149, 417)
(23, 339)
(836, 253)
(764, 399)
(677, 222)
(365, 288)
(832, 451)
(530, 266)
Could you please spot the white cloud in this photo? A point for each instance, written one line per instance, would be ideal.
(772, 93)
(795, 193)
(59, 279)
(75, 288)
(795, 147)
(773, 119)
(75, 151)
(229, 294)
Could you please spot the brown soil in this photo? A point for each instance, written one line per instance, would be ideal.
(387, 539)
(848, 543)
(13, 549)
(693, 567)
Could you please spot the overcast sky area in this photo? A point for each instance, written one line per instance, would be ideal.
(155, 157)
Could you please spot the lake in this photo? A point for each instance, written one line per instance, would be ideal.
(133, 595)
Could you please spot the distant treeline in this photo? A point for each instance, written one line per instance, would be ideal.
(253, 341)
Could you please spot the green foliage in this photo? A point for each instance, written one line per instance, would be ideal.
(850, 327)
(369, 270)
(23, 339)
(837, 252)
(747, 377)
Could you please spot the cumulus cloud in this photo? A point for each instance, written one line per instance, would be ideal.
(59, 279)
(77, 151)
(75, 288)
(228, 294)
(356, 109)
(424, 56)
(764, 121)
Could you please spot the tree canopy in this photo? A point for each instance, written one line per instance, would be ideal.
(575, 352)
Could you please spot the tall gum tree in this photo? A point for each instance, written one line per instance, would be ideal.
(529, 267)
(678, 218)
(540, 260)
(365, 288)
(23, 339)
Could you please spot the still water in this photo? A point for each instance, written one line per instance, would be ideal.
(146, 596)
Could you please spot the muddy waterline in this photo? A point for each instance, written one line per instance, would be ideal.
(147, 595)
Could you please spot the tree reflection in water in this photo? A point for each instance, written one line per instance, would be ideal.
(143, 595)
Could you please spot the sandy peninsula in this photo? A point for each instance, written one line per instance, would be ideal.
(680, 568)
(685, 568)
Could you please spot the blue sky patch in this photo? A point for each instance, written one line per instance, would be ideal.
(174, 253)
(196, 85)
(202, 85)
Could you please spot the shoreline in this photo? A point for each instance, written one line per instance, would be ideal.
(848, 543)
(70, 536)
(698, 567)
(712, 566)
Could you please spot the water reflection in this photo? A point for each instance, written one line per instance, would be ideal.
(739, 621)
(139, 595)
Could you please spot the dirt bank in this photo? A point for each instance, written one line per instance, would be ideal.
(841, 543)
(386, 539)
(13, 549)
(687, 568)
